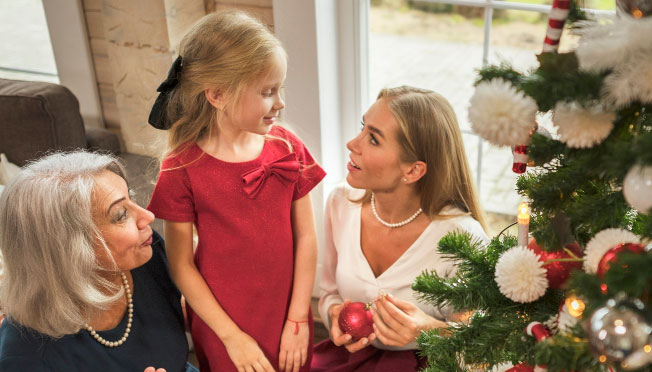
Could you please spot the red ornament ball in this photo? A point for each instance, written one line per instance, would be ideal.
(611, 257)
(557, 272)
(521, 368)
(356, 319)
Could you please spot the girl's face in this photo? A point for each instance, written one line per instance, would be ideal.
(260, 100)
(375, 153)
(123, 224)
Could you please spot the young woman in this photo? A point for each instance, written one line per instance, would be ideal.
(413, 187)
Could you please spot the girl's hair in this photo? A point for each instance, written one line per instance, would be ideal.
(224, 51)
(429, 132)
(51, 281)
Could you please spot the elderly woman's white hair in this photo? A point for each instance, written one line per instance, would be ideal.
(51, 280)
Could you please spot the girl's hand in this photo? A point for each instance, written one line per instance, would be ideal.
(398, 322)
(294, 347)
(344, 339)
(246, 354)
(152, 369)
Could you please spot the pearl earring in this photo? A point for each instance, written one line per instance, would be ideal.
(404, 179)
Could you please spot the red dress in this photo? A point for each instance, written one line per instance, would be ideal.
(245, 251)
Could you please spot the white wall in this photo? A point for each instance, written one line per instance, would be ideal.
(325, 92)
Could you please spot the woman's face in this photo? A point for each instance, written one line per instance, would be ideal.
(375, 153)
(123, 224)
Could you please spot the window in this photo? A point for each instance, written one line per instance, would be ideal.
(26, 53)
(439, 45)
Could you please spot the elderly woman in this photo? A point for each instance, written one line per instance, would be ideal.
(85, 284)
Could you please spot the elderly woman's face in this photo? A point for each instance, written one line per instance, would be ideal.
(124, 225)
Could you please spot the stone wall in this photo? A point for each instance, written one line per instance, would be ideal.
(133, 44)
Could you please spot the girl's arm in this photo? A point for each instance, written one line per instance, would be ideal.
(294, 339)
(242, 349)
(305, 261)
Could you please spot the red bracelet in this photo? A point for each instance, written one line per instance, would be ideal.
(296, 325)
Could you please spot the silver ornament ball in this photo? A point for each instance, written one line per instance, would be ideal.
(621, 331)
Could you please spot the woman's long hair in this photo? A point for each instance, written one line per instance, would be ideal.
(429, 132)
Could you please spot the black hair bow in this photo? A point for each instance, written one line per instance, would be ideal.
(158, 117)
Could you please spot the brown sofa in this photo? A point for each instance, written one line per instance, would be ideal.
(37, 117)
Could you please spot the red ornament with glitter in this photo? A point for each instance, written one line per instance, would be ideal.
(558, 271)
(356, 319)
(611, 257)
(521, 368)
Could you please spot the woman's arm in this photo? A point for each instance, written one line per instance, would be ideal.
(242, 349)
(328, 292)
(330, 301)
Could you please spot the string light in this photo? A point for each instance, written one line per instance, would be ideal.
(575, 306)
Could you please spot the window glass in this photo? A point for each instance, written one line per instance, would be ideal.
(26, 51)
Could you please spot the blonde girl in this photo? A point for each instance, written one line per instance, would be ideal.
(244, 183)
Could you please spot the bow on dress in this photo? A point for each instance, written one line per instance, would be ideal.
(285, 168)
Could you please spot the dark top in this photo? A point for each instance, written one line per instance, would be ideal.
(157, 335)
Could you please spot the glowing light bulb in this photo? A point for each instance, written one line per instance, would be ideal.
(523, 213)
(523, 219)
(575, 306)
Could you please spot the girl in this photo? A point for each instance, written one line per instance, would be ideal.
(415, 183)
(243, 183)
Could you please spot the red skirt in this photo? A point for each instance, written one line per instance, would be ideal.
(330, 358)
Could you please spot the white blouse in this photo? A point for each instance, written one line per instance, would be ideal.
(346, 273)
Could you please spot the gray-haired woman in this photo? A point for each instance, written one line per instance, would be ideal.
(85, 283)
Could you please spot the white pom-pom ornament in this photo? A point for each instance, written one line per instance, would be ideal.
(601, 243)
(520, 275)
(565, 321)
(637, 188)
(501, 114)
(630, 81)
(580, 127)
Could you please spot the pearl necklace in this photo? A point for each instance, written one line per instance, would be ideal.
(397, 224)
(130, 315)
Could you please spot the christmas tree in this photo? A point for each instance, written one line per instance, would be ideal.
(576, 295)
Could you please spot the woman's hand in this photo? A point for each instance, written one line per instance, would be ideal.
(398, 322)
(294, 347)
(246, 354)
(344, 339)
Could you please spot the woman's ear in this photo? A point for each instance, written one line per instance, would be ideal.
(414, 173)
(215, 97)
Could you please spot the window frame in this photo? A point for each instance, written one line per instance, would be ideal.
(72, 54)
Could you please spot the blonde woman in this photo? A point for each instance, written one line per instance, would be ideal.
(412, 185)
(85, 284)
